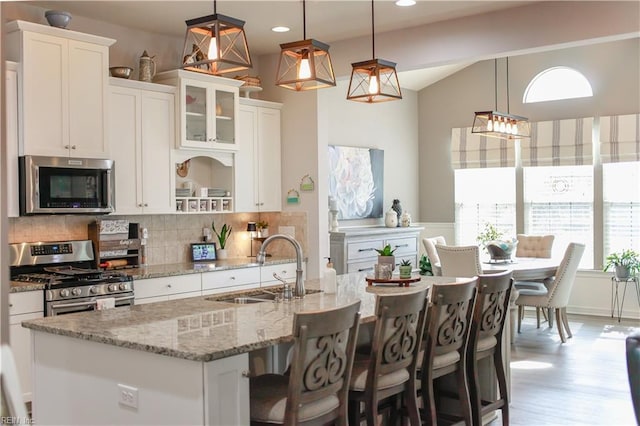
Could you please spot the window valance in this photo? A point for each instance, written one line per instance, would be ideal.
(559, 143)
(470, 151)
(620, 138)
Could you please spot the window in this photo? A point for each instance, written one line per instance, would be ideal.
(621, 193)
(559, 200)
(484, 195)
(557, 83)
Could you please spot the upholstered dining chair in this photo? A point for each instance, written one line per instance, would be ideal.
(459, 261)
(485, 341)
(315, 391)
(556, 297)
(448, 323)
(633, 371)
(387, 371)
(430, 247)
(535, 246)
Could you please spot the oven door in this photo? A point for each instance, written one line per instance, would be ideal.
(62, 307)
(66, 185)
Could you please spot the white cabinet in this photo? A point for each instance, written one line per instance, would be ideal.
(141, 133)
(354, 250)
(258, 177)
(22, 307)
(230, 280)
(207, 109)
(11, 116)
(63, 90)
(167, 288)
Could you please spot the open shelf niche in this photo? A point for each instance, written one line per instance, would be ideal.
(204, 181)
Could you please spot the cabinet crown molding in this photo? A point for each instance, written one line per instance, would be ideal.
(58, 32)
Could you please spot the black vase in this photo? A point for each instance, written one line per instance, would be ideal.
(398, 209)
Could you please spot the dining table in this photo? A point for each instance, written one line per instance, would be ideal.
(525, 268)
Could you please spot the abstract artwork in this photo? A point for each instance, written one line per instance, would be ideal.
(356, 181)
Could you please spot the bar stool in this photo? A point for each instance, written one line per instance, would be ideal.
(448, 323)
(485, 340)
(316, 390)
(388, 370)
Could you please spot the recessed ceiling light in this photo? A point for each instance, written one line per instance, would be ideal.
(280, 29)
(405, 2)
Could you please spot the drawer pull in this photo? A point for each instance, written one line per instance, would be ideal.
(365, 269)
(366, 249)
(402, 245)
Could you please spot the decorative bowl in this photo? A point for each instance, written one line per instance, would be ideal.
(501, 250)
(58, 18)
(120, 72)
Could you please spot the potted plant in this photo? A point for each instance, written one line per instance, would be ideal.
(499, 248)
(223, 237)
(425, 265)
(263, 228)
(405, 268)
(625, 262)
(385, 255)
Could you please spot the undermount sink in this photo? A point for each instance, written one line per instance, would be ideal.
(255, 296)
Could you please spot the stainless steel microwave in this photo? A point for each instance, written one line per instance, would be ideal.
(50, 185)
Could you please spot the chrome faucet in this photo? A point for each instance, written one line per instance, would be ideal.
(299, 289)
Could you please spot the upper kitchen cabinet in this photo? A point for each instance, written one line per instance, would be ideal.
(207, 109)
(63, 90)
(142, 133)
(258, 175)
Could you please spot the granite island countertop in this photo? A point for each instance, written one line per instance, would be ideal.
(173, 269)
(203, 329)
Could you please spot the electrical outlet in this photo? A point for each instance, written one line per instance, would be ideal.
(128, 396)
(287, 230)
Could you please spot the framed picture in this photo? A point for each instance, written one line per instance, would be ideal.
(356, 177)
(203, 252)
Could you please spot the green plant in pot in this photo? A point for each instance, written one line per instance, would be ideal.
(405, 269)
(625, 263)
(263, 228)
(223, 238)
(385, 255)
(425, 265)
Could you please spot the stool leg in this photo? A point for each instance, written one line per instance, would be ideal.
(520, 313)
(538, 317)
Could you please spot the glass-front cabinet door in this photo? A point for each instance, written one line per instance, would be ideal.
(209, 116)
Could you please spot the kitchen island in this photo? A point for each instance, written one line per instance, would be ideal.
(176, 362)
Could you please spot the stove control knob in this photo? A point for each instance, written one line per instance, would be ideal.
(93, 290)
(64, 292)
(112, 287)
(122, 286)
(76, 291)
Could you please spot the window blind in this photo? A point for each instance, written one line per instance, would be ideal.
(559, 143)
(620, 138)
(470, 151)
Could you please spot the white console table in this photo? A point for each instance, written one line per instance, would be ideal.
(353, 249)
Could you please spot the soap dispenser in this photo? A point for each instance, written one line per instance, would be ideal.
(329, 278)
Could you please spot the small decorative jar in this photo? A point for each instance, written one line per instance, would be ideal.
(405, 219)
(390, 219)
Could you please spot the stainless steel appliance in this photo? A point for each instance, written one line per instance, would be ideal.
(68, 270)
(66, 185)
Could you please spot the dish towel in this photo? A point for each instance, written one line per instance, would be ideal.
(106, 303)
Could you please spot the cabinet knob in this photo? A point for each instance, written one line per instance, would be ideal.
(73, 147)
(11, 305)
(146, 205)
(168, 285)
(66, 147)
(233, 278)
(246, 373)
(139, 204)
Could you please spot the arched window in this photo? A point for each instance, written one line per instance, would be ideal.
(557, 83)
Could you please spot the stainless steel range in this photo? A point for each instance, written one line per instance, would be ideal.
(69, 271)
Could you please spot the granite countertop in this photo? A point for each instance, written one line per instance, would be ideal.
(169, 270)
(202, 329)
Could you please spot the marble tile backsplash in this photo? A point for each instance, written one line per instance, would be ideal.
(170, 235)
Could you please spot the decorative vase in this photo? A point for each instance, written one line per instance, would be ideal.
(501, 251)
(405, 271)
(389, 260)
(390, 219)
(264, 232)
(398, 209)
(222, 253)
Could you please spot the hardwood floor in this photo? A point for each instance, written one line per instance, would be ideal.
(581, 382)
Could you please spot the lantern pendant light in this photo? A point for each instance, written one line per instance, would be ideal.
(305, 64)
(496, 124)
(215, 44)
(374, 80)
